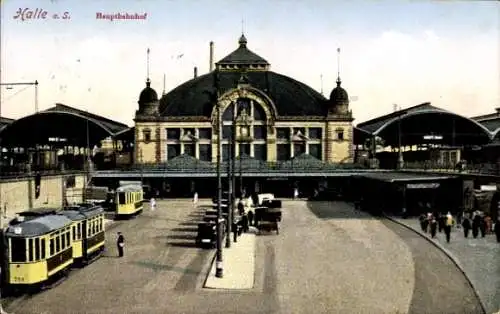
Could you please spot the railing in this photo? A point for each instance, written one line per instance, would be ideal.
(479, 168)
(244, 167)
(22, 171)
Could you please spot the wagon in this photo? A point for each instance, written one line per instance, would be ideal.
(207, 234)
(267, 218)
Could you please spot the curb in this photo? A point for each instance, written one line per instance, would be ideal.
(447, 253)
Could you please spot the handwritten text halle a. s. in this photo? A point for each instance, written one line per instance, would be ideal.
(24, 14)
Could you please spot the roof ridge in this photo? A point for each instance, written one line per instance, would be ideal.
(89, 114)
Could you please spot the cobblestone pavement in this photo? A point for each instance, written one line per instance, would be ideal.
(162, 272)
(480, 259)
(332, 259)
(328, 258)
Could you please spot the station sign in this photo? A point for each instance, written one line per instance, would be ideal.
(489, 187)
(422, 185)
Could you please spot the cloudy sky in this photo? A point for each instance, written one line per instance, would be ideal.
(392, 52)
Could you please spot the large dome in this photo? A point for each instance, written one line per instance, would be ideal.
(290, 97)
(339, 96)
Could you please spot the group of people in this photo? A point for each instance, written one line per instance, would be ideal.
(434, 222)
(477, 222)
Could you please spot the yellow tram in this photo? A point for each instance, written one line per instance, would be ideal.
(129, 200)
(37, 250)
(87, 231)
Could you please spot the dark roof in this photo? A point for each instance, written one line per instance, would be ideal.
(291, 97)
(374, 124)
(81, 212)
(243, 55)
(38, 226)
(112, 126)
(391, 176)
(491, 124)
(5, 121)
(148, 95)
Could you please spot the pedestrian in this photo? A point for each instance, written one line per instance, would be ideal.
(482, 226)
(250, 218)
(497, 230)
(448, 225)
(441, 222)
(433, 224)
(425, 223)
(152, 203)
(120, 244)
(476, 222)
(422, 219)
(195, 199)
(466, 224)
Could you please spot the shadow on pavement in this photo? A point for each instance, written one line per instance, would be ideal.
(337, 210)
(182, 237)
(192, 223)
(185, 229)
(161, 267)
(185, 244)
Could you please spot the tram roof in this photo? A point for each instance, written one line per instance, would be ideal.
(80, 212)
(38, 226)
(404, 177)
(129, 188)
(39, 212)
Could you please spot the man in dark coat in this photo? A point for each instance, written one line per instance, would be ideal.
(433, 224)
(476, 221)
(497, 230)
(466, 224)
(120, 244)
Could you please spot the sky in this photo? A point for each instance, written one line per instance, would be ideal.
(392, 52)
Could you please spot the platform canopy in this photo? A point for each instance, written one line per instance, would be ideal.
(426, 124)
(59, 126)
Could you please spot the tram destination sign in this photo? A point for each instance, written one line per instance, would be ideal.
(422, 185)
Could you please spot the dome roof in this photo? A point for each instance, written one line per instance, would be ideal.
(148, 95)
(339, 95)
(290, 97)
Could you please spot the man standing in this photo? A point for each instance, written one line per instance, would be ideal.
(497, 229)
(120, 244)
(152, 203)
(447, 226)
(467, 225)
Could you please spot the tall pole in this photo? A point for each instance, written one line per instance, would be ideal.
(218, 268)
(230, 193)
(233, 166)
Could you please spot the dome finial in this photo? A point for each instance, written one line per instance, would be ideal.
(148, 82)
(338, 68)
(243, 39)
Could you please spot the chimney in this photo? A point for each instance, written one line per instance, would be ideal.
(195, 72)
(211, 68)
(497, 110)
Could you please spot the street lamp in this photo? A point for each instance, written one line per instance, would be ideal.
(218, 263)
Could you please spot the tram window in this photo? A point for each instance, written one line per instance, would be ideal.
(43, 248)
(18, 250)
(74, 233)
(68, 238)
(63, 241)
(79, 231)
(30, 250)
(37, 249)
(52, 247)
(121, 198)
(94, 227)
(58, 244)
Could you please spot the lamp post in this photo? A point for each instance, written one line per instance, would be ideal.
(230, 191)
(218, 269)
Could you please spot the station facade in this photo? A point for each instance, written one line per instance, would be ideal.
(270, 116)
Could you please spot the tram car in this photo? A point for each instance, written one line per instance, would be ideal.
(87, 231)
(129, 200)
(36, 252)
(40, 245)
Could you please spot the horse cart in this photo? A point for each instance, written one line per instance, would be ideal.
(267, 219)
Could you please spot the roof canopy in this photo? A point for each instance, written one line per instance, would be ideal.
(426, 124)
(60, 125)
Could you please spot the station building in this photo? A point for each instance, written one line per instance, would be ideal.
(272, 117)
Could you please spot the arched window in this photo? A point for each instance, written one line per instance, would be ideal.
(228, 114)
(258, 112)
